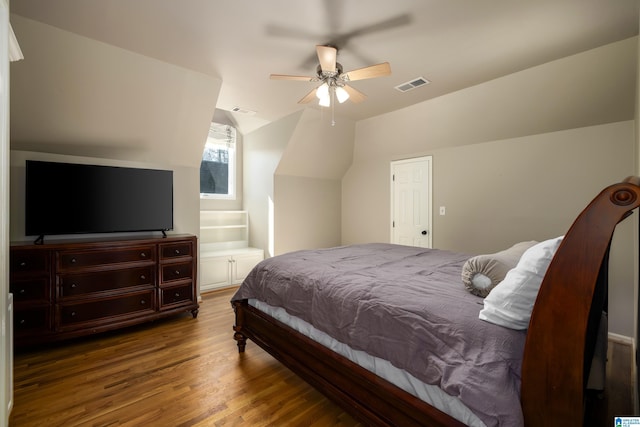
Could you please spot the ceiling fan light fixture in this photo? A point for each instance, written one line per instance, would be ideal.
(341, 94)
(323, 91)
(325, 101)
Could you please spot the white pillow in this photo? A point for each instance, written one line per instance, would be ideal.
(510, 303)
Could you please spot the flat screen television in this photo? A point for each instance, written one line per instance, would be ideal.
(69, 198)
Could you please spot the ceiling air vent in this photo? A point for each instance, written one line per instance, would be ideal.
(242, 111)
(410, 85)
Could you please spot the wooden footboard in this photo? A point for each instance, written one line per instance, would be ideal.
(558, 351)
(367, 397)
(564, 323)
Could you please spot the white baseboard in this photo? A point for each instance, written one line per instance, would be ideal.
(622, 339)
(625, 340)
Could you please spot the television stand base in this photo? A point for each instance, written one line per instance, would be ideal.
(71, 288)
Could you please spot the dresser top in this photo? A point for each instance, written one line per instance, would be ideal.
(100, 241)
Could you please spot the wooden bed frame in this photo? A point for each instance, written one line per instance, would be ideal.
(558, 351)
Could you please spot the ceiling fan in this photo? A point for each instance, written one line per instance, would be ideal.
(334, 80)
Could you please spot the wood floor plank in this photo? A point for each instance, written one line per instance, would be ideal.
(181, 372)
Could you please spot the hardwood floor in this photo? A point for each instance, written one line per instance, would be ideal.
(178, 372)
(187, 372)
(617, 399)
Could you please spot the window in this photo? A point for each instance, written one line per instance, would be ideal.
(218, 166)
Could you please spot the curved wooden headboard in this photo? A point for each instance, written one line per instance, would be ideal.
(563, 326)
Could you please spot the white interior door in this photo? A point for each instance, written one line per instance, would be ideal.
(411, 202)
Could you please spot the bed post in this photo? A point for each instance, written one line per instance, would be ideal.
(238, 335)
(556, 351)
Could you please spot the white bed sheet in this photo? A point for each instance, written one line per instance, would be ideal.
(431, 394)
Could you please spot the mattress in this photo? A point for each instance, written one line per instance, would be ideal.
(382, 368)
(407, 306)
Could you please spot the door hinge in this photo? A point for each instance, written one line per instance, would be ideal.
(393, 177)
(393, 224)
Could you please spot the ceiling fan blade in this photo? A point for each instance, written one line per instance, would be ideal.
(308, 97)
(327, 57)
(387, 24)
(354, 94)
(293, 33)
(288, 77)
(334, 10)
(341, 40)
(369, 72)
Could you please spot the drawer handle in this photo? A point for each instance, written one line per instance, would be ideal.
(23, 264)
(143, 255)
(22, 321)
(177, 251)
(142, 277)
(73, 260)
(73, 313)
(73, 286)
(142, 302)
(22, 291)
(177, 272)
(177, 295)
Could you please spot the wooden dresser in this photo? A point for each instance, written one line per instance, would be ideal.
(67, 289)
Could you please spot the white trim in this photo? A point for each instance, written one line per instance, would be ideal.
(629, 341)
(232, 170)
(15, 53)
(392, 164)
(10, 352)
(621, 339)
(6, 339)
(634, 377)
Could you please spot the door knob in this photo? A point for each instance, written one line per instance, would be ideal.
(424, 232)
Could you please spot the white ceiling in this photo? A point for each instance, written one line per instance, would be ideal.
(453, 43)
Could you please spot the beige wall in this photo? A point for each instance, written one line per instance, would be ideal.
(527, 188)
(76, 99)
(307, 213)
(76, 96)
(562, 94)
(292, 189)
(186, 213)
(514, 159)
(317, 149)
(636, 230)
(263, 150)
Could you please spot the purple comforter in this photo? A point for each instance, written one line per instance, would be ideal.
(406, 305)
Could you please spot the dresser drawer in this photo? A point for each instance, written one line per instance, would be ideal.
(83, 314)
(32, 319)
(177, 271)
(29, 262)
(176, 295)
(175, 250)
(70, 285)
(66, 289)
(36, 289)
(68, 260)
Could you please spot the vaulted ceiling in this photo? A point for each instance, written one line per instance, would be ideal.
(453, 43)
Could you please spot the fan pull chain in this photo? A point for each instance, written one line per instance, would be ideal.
(333, 103)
